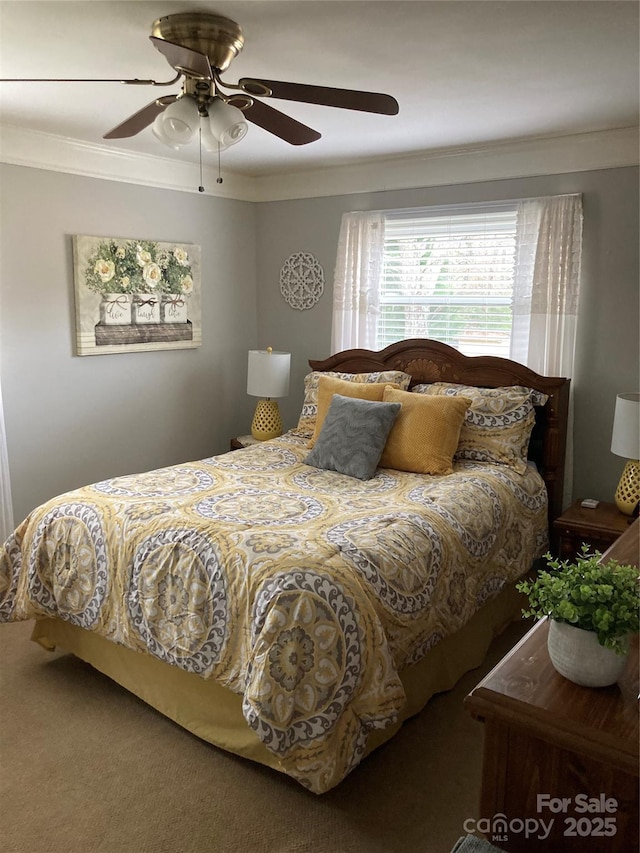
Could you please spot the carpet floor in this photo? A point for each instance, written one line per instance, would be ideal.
(85, 767)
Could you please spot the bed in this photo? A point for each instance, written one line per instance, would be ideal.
(289, 613)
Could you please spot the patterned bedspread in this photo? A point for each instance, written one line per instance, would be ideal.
(303, 590)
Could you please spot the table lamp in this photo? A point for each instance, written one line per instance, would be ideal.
(625, 442)
(267, 377)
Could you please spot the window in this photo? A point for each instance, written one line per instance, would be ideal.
(448, 274)
(497, 278)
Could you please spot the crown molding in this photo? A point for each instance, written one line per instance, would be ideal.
(604, 149)
(22, 147)
(607, 149)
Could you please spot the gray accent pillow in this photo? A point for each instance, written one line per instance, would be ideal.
(353, 436)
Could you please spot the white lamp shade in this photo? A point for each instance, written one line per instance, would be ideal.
(268, 373)
(625, 439)
(227, 122)
(180, 120)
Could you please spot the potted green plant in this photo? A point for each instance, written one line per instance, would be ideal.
(593, 607)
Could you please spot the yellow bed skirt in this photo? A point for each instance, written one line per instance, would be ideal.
(214, 713)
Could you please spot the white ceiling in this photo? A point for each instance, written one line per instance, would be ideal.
(465, 72)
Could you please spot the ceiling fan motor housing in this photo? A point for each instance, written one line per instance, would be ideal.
(217, 37)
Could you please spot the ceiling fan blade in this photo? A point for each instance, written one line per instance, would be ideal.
(287, 128)
(143, 118)
(346, 99)
(183, 59)
(136, 81)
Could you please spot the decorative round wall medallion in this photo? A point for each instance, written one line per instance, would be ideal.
(301, 280)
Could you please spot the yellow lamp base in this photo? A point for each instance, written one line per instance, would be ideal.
(267, 422)
(628, 491)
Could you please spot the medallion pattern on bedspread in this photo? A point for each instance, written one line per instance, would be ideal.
(476, 516)
(304, 591)
(10, 570)
(272, 458)
(68, 564)
(177, 599)
(525, 489)
(331, 483)
(166, 482)
(269, 508)
(404, 573)
(300, 679)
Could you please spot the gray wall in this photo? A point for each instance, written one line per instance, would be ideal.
(607, 344)
(73, 420)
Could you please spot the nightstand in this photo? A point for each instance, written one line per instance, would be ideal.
(598, 528)
(241, 441)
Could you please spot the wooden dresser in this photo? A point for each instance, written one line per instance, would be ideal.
(557, 752)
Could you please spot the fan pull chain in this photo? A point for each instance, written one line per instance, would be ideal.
(219, 178)
(201, 187)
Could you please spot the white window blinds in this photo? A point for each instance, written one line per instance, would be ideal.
(448, 274)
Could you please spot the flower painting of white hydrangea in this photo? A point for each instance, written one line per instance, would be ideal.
(136, 294)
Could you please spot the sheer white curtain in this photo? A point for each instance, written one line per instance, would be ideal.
(6, 509)
(356, 288)
(547, 283)
(546, 292)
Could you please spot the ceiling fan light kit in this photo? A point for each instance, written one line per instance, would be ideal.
(209, 142)
(227, 123)
(157, 128)
(220, 124)
(179, 121)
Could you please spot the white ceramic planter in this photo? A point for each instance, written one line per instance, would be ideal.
(578, 656)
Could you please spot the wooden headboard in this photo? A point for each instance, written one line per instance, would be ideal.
(432, 361)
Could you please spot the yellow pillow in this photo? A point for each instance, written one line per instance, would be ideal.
(328, 386)
(423, 438)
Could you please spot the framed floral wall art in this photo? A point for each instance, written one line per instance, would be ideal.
(135, 295)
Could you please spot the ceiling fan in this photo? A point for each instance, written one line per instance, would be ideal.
(200, 46)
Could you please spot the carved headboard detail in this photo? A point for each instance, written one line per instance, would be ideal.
(432, 361)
